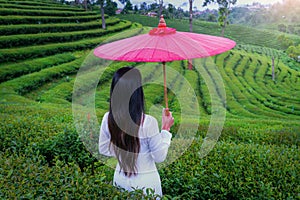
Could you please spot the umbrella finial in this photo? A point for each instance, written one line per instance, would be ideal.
(162, 22)
(162, 28)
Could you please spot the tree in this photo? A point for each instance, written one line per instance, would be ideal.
(224, 9)
(282, 28)
(110, 7)
(284, 41)
(212, 18)
(161, 2)
(154, 6)
(85, 2)
(128, 7)
(190, 66)
(191, 15)
(294, 52)
(291, 29)
(123, 1)
(101, 2)
(143, 6)
(170, 10)
(136, 9)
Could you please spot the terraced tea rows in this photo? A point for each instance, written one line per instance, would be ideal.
(44, 44)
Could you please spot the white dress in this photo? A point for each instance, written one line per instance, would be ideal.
(153, 148)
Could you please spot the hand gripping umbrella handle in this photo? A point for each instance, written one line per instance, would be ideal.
(165, 89)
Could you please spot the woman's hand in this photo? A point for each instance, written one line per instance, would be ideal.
(167, 119)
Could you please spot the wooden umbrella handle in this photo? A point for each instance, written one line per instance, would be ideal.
(165, 89)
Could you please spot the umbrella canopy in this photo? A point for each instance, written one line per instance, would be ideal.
(164, 44)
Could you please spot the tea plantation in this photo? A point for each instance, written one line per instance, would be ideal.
(43, 44)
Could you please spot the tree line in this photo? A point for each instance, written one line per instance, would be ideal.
(285, 14)
(169, 11)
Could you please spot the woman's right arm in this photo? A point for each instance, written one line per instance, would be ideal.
(159, 142)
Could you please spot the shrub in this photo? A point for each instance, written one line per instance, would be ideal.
(15, 54)
(46, 38)
(31, 3)
(32, 81)
(54, 27)
(42, 7)
(15, 19)
(34, 12)
(11, 71)
(26, 177)
(234, 171)
(67, 147)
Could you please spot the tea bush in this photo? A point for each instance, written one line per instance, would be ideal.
(67, 147)
(31, 3)
(235, 171)
(33, 12)
(15, 19)
(11, 71)
(41, 7)
(54, 28)
(46, 38)
(14, 54)
(24, 177)
(29, 82)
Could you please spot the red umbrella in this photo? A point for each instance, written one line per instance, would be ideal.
(164, 44)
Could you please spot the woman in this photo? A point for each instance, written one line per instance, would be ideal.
(133, 137)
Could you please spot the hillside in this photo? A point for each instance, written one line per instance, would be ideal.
(43, 46)
(239, 33)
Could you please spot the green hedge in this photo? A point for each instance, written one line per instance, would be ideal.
(60, 94)
(34, 80)
(58, 27)
(194, 79)
(14, 54)
(247, 95)
(245, 163)
(235, 171)
(8, 72)
(14, 41)
(259, 88)
(66, 8)
(42, 157)
(17, 19)
(67, 147)
(31, 3)
(26, 177)
(38, 13)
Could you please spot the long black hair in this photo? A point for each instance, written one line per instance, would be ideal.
(126, 113)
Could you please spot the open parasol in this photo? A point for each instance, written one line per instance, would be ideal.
(164, 44)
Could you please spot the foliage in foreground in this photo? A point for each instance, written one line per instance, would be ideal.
(44, 161)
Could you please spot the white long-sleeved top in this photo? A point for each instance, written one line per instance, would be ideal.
(153, 148)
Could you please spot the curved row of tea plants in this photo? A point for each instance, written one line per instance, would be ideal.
(20, 4)
(54, 27)
(20, 40)
(17, 54)
(247, 86)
